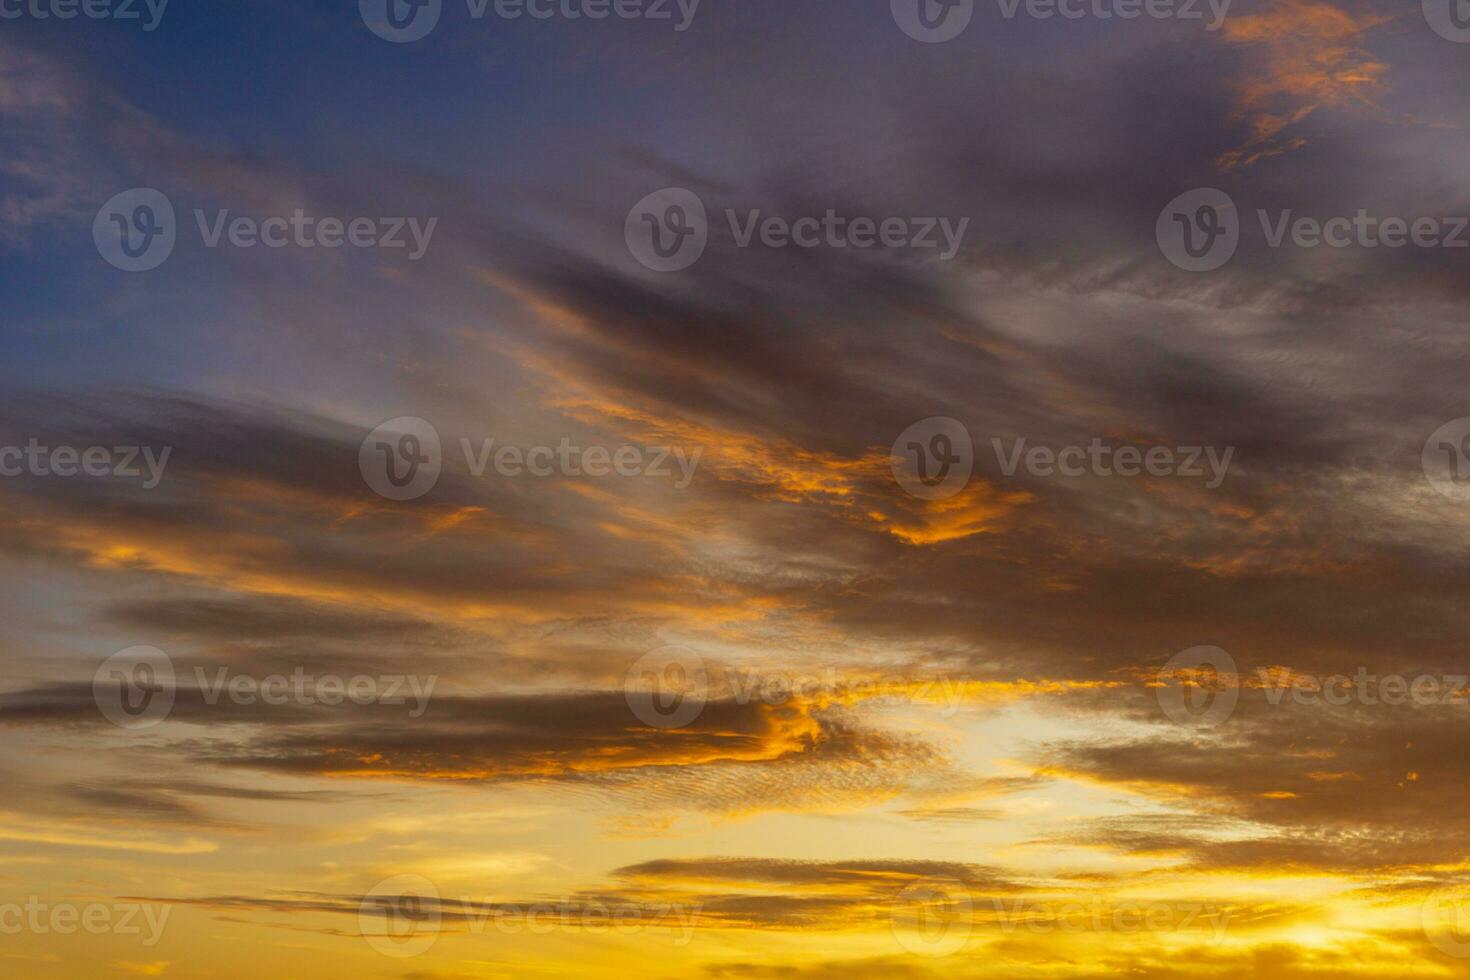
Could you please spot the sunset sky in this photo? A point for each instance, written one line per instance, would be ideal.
(764, 704)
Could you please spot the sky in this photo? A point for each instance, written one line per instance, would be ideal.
(760, 490)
